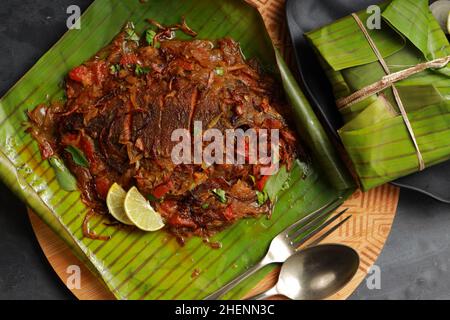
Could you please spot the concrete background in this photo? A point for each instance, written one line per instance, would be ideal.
(415, 263)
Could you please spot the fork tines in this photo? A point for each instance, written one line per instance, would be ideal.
(313, 227)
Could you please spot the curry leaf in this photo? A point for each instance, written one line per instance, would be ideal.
(65, 179)
(78, 156)
(220, 194)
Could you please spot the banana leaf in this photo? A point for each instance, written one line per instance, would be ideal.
(138, 265)
(374, 134)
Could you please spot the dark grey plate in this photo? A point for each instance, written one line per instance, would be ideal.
(306, 15)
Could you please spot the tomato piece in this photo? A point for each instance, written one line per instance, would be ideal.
(185, 65)
(178, 221)
(260, 184)
(129, 58)
(288, 136)
(168, 207)
(100, 71)
(228, 213)
(88, 148)
(87, 145)
(102, 185)
(81, 74)
(71, 139)
(162, 189)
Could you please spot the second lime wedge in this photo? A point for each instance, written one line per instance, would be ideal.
(441, 11)
(448, 23)
(140, 212)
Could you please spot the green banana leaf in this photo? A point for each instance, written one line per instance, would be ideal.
(138, 265)
(374, 133)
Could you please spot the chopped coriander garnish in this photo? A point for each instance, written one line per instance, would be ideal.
(219, 71)
(114, 68)
(130, 33)
(149, 36)
(78, 156)
(205, 206)
(140, 70)
(220, 194)
(262, 197)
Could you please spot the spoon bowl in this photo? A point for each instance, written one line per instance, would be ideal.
(315, 273)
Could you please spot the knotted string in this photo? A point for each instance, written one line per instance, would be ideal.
(389, 81)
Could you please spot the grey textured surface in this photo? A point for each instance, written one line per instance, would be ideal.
(28, 28)
(414, 264)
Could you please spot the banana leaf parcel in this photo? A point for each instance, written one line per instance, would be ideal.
(388, 137)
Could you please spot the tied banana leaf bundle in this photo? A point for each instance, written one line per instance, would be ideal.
(392, 86)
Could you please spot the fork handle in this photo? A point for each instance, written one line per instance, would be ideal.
(216, 295)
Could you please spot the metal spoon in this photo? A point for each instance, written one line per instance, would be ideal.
(315, 273)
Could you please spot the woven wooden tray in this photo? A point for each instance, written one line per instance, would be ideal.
(367, 230)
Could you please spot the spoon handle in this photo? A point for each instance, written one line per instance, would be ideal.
(216, 295)
(266, 294)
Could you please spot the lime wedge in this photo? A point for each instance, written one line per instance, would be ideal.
(448, 23)
(114, 201)
(140, 212)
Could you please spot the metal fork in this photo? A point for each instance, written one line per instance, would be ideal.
(287, 242)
